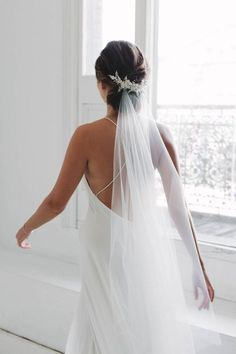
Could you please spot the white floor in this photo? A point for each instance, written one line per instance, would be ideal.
(11, 344)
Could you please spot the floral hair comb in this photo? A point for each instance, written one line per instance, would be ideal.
(126, 84)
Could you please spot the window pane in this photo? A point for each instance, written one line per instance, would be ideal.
(197, 97)
(105, 20)
(197, 52)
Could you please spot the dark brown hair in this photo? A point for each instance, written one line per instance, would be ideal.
(125, 58)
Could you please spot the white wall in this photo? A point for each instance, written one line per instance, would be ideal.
(34, 132)
(32, 144)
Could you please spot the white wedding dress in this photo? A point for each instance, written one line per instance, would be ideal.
(136, 287)
(93, 313)
(92, 321)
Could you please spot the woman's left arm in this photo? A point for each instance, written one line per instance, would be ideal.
(71, 172)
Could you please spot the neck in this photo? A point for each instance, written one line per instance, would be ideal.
(111, 113)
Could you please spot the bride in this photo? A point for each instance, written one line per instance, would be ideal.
(141, 271)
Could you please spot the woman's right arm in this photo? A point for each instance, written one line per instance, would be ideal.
(169, 144)
(166, 161)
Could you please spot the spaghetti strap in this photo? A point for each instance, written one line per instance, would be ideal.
(110, 120)
(110, 181)
(117, 173)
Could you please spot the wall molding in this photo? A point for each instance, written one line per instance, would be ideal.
(70, 54)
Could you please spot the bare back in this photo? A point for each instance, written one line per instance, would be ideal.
(99, 170)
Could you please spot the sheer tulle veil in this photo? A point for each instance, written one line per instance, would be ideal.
(154, 268)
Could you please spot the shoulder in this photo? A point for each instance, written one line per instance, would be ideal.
(168, 140)
(86, 129)
(82, 134)
(82, 130)
(87, 134)
(94, 132)
(165, 133)
(167, 137)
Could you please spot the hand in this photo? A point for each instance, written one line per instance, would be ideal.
(22, 238)
(209, 287)
(206, 288)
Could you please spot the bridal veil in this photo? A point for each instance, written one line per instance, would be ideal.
(154, 269)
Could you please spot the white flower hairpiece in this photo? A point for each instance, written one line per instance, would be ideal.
(126, 84)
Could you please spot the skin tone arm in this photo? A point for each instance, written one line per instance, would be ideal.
(173, 154)
(71, 172)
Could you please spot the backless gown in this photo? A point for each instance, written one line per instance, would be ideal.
(93, 312)
(148, 327)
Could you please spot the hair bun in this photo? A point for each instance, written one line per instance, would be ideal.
(130, 64)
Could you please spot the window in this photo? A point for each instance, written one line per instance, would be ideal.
(197, 97)
(105, 20)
